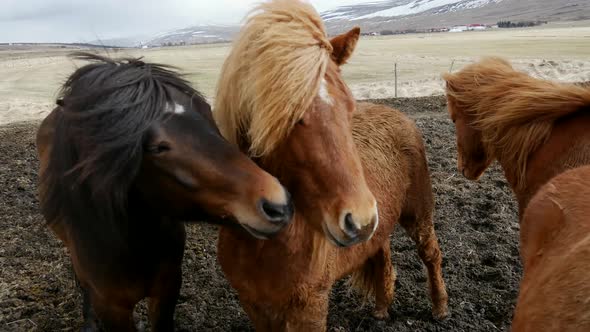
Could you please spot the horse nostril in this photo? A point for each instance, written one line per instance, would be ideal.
(276, 213)
(350, 228)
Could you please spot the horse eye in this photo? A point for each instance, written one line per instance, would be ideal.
(300, 122)
(158, 148)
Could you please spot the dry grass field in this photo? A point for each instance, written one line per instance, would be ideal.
(30, 77)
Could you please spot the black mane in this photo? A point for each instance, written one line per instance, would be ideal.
(105, 110)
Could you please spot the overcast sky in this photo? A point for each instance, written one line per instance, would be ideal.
(86, 20)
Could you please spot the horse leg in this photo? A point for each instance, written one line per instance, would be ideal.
(421, 229)
(162, 305)
(90, 320)
(384, 282)
(168, 279)
(309, 316)
(115, 316)
(376, 276)
(88, 315)
(260, 319)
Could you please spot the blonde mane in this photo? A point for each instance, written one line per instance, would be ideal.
(271, 75)
(514, 111)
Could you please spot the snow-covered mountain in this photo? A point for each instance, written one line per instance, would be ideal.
(396, 8)
(379, 15)
(426, 14)
(197, 34)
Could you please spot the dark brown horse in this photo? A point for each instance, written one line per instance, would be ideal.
(131, 152)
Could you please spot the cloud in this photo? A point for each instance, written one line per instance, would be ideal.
(78, 21)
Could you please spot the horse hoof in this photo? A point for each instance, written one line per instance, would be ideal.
(441, 313)
(381, 314)
(141, 326)
(90, 326)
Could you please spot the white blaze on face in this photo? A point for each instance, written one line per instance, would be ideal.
(324, 94)
(176, 109)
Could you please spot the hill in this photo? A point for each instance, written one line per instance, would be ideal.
(394, 15)
(424, 14)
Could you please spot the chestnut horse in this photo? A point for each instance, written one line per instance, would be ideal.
(555, 249)
(281, 98)
(130, 152)
(537, 130)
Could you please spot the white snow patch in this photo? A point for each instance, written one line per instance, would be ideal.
(419, 6)
(330, 16)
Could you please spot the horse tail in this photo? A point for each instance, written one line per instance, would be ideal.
(363, 280)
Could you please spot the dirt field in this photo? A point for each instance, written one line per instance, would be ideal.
(476, 224)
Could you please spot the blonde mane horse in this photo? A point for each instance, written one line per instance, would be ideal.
(276, 78)
(281, 98)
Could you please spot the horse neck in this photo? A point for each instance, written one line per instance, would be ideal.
(139, 211)
(305, 241)
(510, 173)
(510, 167)
(136, 218)
(294, 255)
(300, 238)
(512, 177)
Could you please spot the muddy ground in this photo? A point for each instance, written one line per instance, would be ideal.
(476, 224)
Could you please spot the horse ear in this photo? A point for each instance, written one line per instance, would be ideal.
(344, 45)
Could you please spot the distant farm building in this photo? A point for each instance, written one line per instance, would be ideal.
(437, 30)
(469, 27)
(476, 27)
(370, 33)
(458, 28)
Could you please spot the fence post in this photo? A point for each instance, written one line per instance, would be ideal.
(395, 71)
(451, 68)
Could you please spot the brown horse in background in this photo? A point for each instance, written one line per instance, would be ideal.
(555, 249)
(536, 129)
(130, 153)
(282, 99)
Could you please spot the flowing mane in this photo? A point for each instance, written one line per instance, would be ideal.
(514, 111)
(272, 74)
(105, 110)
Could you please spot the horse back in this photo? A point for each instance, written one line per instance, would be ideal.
(555, 249)
(568, 147)
(393, 157)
